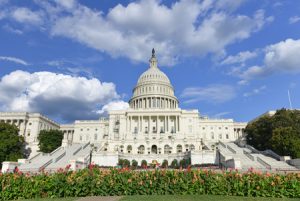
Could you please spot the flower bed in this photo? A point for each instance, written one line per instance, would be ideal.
(103, 182)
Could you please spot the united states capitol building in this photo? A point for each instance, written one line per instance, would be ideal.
(153, 128)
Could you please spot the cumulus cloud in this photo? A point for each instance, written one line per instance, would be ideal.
(25, 15)
(282, 57)
(212, 93)
(255, 91)
(185, 28)
(14, 59)
(240, 58)
(294, 19)
(114, 105)
(57, 95)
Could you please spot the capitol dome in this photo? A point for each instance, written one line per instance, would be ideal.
(153, 90)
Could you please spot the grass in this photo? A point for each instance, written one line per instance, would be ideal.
(200, 198)
(179, 198)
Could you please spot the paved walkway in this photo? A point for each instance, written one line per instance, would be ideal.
(100, 198)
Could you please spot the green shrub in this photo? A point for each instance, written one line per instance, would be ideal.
(121, 162)
(165, 164)
(144, 164)
(117, 182)
(134, 164)
(126, 163)
(174, 164)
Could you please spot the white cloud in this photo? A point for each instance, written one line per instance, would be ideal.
(221, 114)
(25, 15)
(294, 19)
(57, 95)
(12, 30)
(114, 105)
(240, 58)
(282, 57)
(255, 91)
(186, 28)
(212, 93)
(14, 59)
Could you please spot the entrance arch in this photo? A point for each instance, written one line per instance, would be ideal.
(154, 149)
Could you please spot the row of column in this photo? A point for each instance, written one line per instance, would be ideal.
(20, 123)
(154, 102)
(138, 124)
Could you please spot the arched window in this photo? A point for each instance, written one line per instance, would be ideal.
(192, 147)
(179, 148)
(141, 149)
(129, 149)
(167, 149)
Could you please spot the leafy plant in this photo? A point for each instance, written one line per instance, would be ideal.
(49, 140)
(95, 181)
(174, 164)
(144, 164)
(11, 144)
(165, 164)
(134, 164)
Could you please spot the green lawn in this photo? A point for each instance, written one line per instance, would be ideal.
(199, 198)
(177, 198)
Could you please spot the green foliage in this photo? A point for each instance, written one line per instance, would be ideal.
(126, 163)
(134, 164)
(119, 182)
(144, 164)
(49, 140)
(121, 162)
(280, 132)
(174, 164)
(165, 164)
(11, 144)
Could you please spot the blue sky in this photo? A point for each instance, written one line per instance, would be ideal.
(77, 59)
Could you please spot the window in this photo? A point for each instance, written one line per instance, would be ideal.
(135, 130)
(227, 136)
(80, 138)
(30, 123)
(226, 128)
(220, 136)
(190, 129)
(95, 137)
(212, 136)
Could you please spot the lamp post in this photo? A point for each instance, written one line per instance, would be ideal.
(91, 153)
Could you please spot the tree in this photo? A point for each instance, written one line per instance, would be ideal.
(280, 132)
(11, 144)
(49, 140)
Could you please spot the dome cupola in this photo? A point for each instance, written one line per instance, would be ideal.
(153, 89)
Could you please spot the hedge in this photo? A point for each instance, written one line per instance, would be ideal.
(103, 182)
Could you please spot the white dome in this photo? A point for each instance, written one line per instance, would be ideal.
(153, 89)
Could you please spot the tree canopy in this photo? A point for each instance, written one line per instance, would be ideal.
(11, 144)
(49, 140)
(280, 132)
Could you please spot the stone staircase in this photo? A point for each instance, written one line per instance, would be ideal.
(59, 158)
(248, 158)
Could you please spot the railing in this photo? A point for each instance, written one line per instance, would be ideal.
(231, 149)
(271, 153)
(221, 143)
(249, 155)
(34, 157)
(75, 152)
(60, 157)
(86, 145)
(267, 165)
(45, 165)
(56, 150)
